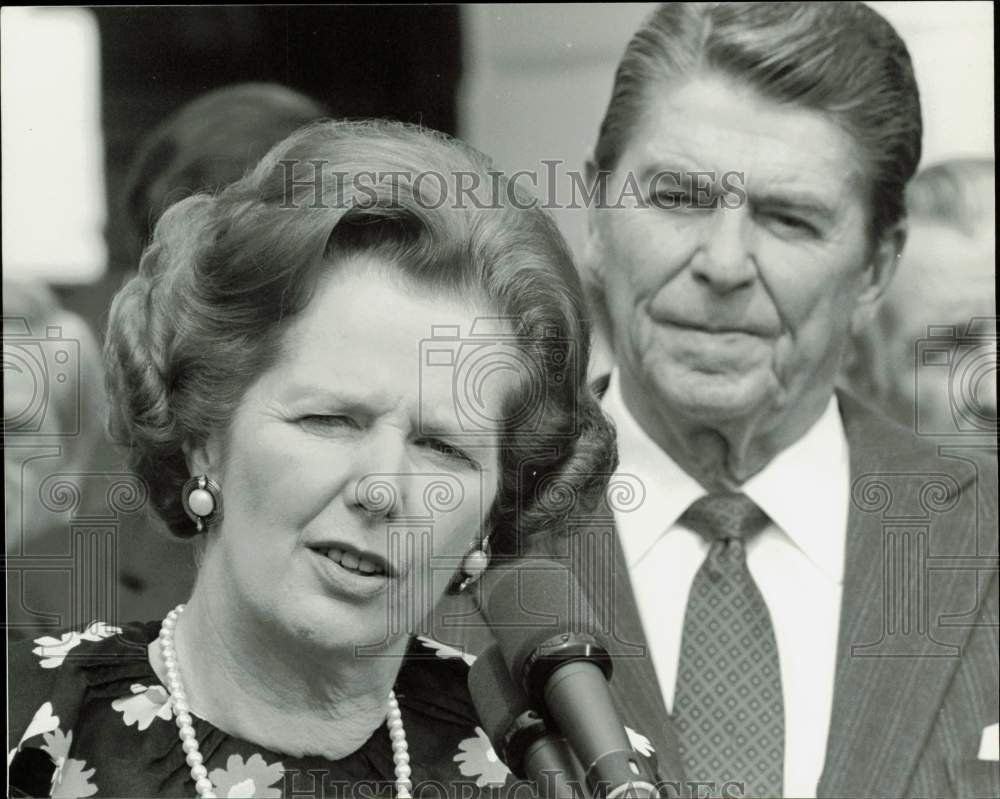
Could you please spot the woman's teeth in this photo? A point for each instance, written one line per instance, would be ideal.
(354, 563)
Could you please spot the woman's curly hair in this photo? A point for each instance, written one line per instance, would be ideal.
(226, 274)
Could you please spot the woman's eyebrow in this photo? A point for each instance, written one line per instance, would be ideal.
(449, 426)
(346, 399)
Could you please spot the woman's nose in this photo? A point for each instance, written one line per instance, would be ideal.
(380, 487)
(724, 263)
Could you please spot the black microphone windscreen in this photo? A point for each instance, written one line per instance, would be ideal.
(533, 601)
(497, 699)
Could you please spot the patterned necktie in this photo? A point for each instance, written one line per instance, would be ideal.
(727, 702)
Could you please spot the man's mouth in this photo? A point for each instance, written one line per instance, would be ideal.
(717, 328)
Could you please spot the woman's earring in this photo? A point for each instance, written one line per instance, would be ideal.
(202, 501)
(474, 564)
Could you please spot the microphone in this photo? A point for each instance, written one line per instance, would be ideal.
(518, 733)
(30, 773)
(536, 610)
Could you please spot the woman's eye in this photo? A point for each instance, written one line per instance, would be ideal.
(319, 421)
(451, 451)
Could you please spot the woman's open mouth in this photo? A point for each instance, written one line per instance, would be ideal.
(358, 564)
(349, 575)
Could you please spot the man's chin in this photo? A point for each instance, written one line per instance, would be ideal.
(718, 398)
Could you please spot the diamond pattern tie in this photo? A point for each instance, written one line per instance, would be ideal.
(728, 704)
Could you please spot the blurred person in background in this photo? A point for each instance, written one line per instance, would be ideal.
(919, 359)
(207, 144)
(53, 396)
(53, 412)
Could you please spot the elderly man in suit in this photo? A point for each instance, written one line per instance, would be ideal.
(804, 595)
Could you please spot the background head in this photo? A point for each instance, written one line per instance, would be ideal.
(789, 112)
(945, 283)
(237, 287)
(209, 143)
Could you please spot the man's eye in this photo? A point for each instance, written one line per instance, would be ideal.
(676, 198)
(681, 199)
(791, 223)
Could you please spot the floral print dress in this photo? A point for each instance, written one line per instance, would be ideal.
(89, 717)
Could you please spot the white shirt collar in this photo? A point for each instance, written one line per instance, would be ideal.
(805, 489)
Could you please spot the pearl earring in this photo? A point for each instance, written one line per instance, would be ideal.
(202, 501)
(474, 564)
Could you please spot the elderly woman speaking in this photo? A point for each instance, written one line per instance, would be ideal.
(344, 376)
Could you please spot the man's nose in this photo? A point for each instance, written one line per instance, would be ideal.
(724, 262)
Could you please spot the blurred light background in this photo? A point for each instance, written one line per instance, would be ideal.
(525, 83)
(52, 146)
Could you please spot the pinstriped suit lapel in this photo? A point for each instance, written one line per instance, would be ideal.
(635, 685)
(594, 553)
(895, 656)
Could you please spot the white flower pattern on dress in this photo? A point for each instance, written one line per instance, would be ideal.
(43, 721)
(53, 651)
(639, 742)
(254, 778)
(476, 758)
(70, 780)
(71, 777)
(446, 652)
(146, 703)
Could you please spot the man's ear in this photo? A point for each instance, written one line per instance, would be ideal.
(590, 175)
(590, 260)
(882, 266)
(593, 262)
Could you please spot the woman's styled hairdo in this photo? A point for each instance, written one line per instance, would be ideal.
(225, 275)
(840, 59)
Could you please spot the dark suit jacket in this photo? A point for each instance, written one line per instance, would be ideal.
(917, 673)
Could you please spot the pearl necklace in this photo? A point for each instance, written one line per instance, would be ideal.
(189, 742)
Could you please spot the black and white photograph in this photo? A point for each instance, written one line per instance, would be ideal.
(500, 401)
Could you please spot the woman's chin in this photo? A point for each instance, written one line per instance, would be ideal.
(331, 626)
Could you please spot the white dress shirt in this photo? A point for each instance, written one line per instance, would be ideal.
(797, 562)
